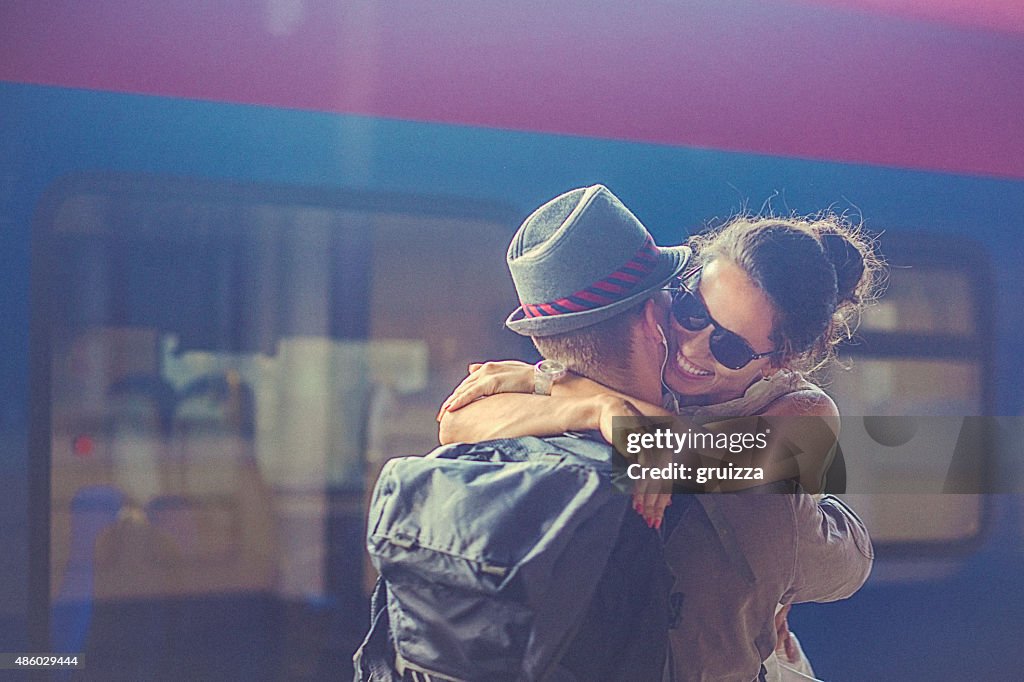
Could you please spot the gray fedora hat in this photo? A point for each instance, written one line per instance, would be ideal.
(582, 258)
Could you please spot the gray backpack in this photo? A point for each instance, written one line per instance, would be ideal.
(514, 559)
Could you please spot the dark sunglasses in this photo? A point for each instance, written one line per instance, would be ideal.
(728, 348)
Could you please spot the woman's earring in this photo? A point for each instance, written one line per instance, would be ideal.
(765, 377)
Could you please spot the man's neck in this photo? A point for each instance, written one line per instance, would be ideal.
(625, 387)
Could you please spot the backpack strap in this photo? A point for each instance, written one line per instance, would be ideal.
(374, 660)
(414, 673)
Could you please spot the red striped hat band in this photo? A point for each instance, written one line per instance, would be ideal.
(606, 291)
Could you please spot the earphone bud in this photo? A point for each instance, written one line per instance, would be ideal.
(674, 404)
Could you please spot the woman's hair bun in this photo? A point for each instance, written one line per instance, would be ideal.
(848, 262)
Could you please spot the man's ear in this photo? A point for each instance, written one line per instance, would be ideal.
(655, 314)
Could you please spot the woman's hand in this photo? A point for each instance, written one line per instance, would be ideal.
(489, 378)
(650, 496)
(785, 644)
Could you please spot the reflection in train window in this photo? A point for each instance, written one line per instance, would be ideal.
(229, 369)
(922, 350)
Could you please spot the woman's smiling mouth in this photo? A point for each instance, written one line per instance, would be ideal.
(689, 369)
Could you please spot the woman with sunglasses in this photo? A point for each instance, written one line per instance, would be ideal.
(763, 310)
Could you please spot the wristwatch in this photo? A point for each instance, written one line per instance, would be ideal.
(546, 373)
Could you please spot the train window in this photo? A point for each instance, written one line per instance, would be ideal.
(924, 300)
(229, 368)
(922, 351)
(909, 387)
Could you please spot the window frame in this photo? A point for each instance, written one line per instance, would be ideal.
(918, 248)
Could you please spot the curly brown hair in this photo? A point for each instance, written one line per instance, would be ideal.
(818, 271)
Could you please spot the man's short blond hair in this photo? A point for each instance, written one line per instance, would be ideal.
(602, 351)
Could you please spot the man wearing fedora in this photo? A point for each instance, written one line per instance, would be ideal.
(591, 281)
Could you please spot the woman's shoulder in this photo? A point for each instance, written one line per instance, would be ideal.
(814, 407)
(806, 401)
